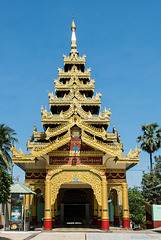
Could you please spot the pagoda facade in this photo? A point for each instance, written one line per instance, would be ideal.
(75, 165)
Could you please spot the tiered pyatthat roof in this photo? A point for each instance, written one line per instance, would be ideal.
(74, 93)
(74, 106)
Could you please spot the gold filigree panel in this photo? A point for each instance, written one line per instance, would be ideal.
(85, 177)
(118, 189)
(34, 184)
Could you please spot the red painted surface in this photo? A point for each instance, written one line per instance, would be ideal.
(126, 223)
(91, 160)
(156, 224)
(105, 225)
(72, 160)
(75, 142)
(34, 220)
(47, 225)
(116, 221)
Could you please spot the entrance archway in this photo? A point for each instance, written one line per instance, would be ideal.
(77, 176)
(75, 203)
(54, 180)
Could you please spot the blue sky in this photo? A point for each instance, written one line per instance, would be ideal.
(122, 41)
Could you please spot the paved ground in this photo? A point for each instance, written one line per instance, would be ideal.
(53, 235)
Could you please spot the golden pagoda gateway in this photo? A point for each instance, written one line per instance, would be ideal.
(75, 166)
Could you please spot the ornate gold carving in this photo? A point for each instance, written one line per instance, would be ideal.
(118, 188)
(76, 82)
(60, 141)
(33, 182)
(51, 132)
(30, 145)
(117, 181)
(100, 169)
(38, 135)
(38, 151)
(115, 171)
(73, 153)
(35, 173)
(74, 72)
(69, 176)
(105, 114)
(74, 79)
(75, 108)
(74, 92)
(74, 59)
(113, 149)
(76, 120)
(116, 175)
(134, 153)
(19, 156)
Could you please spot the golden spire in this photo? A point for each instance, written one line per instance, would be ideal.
(73, 27)
(73, 38)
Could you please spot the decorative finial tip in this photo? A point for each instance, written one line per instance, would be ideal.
(73, 27)
(73, 38)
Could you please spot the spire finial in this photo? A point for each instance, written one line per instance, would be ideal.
(73, 27)
(73, 39)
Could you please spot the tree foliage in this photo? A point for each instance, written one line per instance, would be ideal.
(136, 205)
(7, 136)
(150, 181)
(151, 139)
(5, 182)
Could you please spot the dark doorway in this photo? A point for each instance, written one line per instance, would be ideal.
(74, 213)
(74, 208)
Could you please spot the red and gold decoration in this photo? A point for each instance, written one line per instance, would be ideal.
(76, 151)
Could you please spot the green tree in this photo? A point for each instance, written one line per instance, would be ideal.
(7, 136)
(151, 139)
(5, 182)
(150, 181)
(136, 205)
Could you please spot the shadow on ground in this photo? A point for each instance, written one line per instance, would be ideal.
(3, 238)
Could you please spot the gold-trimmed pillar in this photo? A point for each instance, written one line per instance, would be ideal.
(47, 215)
(34, 210)
(95, 210)
(125, 206)
(27, 206)
(116, 210)
(105, 217)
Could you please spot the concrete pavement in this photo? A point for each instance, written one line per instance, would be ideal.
(123, 235)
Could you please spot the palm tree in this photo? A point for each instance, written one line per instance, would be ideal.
(7, 137)
(151, 139)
